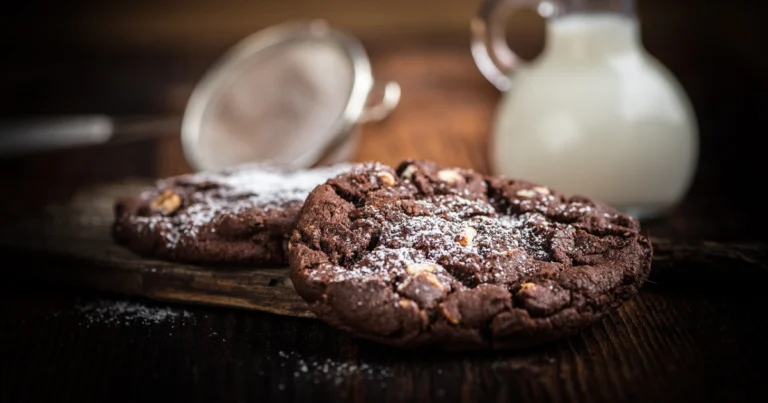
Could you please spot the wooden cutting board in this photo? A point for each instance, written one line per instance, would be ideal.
(71, 244)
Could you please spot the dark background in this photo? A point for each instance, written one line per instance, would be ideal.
(143, 58)
(140, 57)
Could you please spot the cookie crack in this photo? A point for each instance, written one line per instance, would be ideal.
(503, 204)
(347, 196)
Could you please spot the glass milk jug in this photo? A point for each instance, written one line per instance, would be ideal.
(594, 114)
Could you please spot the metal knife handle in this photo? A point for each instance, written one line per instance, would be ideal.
(33, 135)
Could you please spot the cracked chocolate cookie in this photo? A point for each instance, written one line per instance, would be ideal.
(445, 257)
(238, 216)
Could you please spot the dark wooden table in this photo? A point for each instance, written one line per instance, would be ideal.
(703, 341)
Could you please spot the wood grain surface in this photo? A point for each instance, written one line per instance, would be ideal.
(666, 345)
(72, 244)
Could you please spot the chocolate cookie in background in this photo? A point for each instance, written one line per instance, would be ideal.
(445, 257)
(238, 216)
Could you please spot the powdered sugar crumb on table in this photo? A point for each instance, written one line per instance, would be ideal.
(110, 312)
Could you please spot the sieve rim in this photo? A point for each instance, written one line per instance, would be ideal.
(269, 38)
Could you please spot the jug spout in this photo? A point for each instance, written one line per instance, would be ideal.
(587, 36)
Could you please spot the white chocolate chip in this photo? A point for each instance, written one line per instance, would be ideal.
(433, 280)
(167, 202)
(526, 193)
(429, 277)
(542, 189)
(408, 172)
(467, 235)
(386, 178)
(407, 304)
(513, 251)
(416, 268)
(449, 175)
(452, 317)
(527, 287)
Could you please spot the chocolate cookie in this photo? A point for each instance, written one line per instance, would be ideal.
(446, 257)
(238, 216)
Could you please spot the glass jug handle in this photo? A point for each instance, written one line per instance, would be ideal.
(490, 50)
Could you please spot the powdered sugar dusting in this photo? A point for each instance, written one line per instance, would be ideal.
(380, 263)
(268, 186)
(327, 369)
(439, 237)
(128, 313)
(433, 230)
(212, 196)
